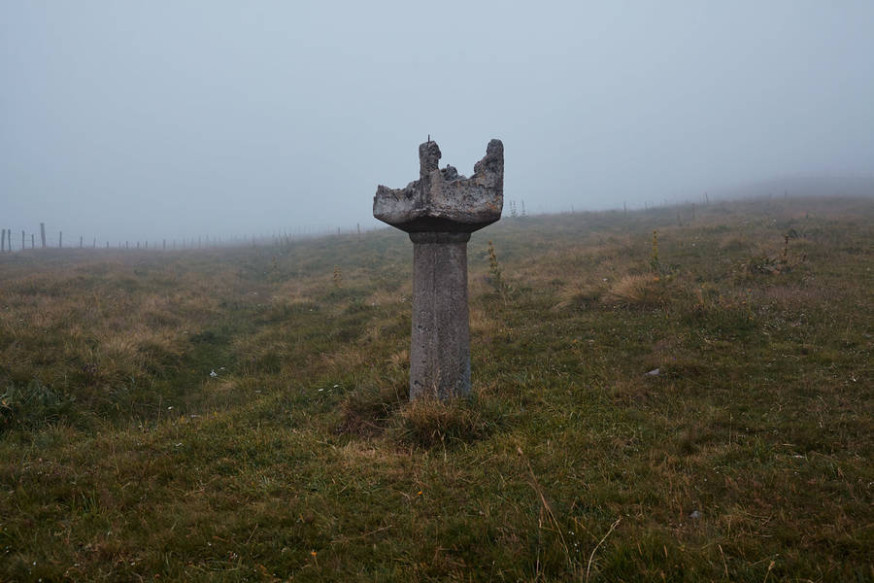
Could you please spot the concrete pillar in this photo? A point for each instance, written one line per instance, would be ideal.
(440, 211)
(440, 348)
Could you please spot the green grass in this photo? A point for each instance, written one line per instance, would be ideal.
(748, 457)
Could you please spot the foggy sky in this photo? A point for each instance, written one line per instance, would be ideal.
(141, 120)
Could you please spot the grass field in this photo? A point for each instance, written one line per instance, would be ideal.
(678, 394)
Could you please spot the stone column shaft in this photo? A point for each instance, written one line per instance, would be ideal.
(440, 348)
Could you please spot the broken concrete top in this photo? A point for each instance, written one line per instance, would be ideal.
(443, 200)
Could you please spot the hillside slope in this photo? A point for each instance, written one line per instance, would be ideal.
(681, 394)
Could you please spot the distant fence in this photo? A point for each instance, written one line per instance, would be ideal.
(8, 244)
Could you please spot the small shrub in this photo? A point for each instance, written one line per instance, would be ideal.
(496, 274)
(654, 258)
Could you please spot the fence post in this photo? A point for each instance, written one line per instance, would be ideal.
(42, 233)
(60, 239)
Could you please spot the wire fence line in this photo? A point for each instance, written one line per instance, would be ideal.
(10, 241)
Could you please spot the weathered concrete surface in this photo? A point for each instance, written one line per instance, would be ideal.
(443, 200)
(440, 349)
(439, 211)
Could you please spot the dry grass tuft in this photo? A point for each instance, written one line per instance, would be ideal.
(638, 291)
(430, 422)
(580, 295)
(400, 360)
(482, 323)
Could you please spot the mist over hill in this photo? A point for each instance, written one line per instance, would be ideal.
(800, 185)
(136, 121)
